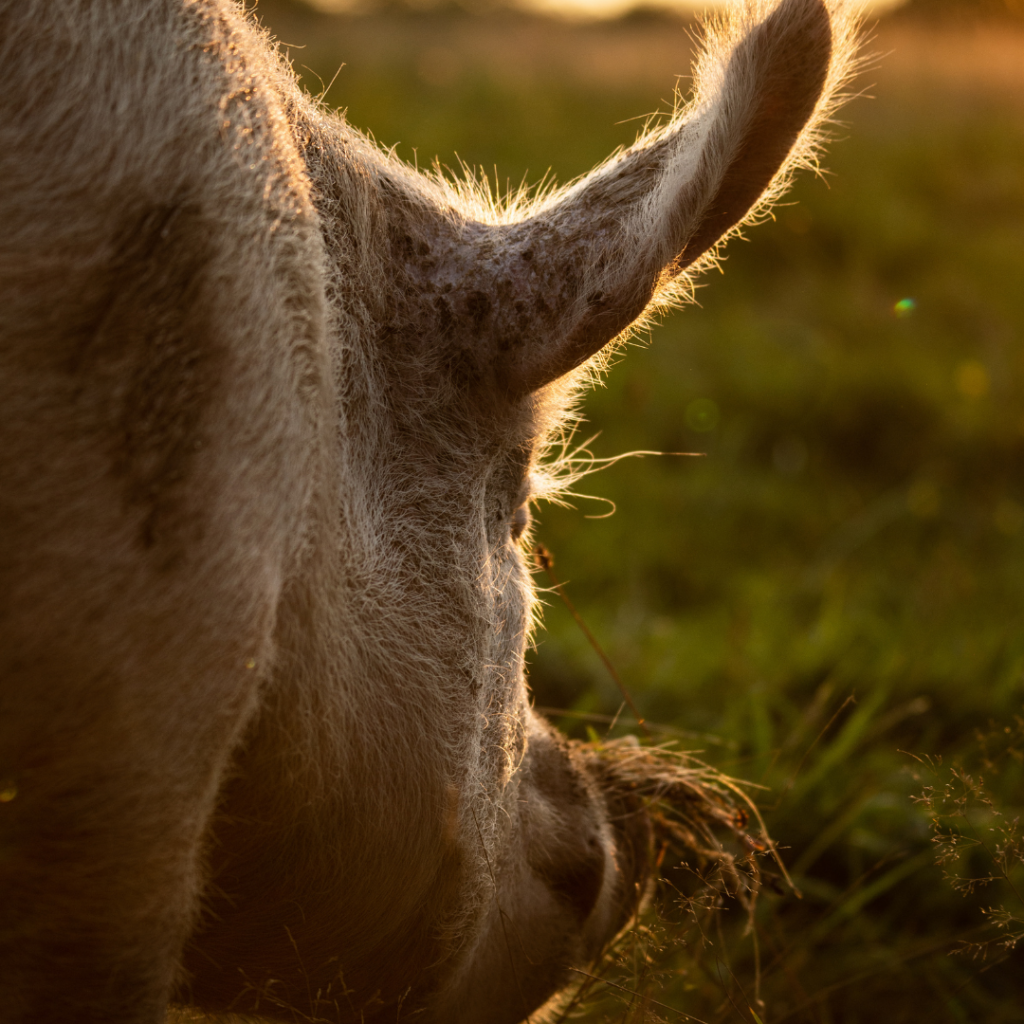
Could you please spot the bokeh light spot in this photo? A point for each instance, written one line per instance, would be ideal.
(439, 67)
(923, 499)
(799, 221)
(789, 455)
(905, 308)
(971, 379)
(8, 791)
(702, 415)
(1008, 517)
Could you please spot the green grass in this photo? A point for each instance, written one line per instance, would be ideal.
(839, 583)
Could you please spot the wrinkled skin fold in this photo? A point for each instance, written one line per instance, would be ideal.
(274, 407)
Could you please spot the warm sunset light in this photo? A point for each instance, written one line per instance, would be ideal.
(598, 8)
(512, 511)
(613, 8)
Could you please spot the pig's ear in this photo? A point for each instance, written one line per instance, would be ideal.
(587, 264)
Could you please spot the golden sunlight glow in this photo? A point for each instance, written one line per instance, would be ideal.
(598, 8)
(613, 8)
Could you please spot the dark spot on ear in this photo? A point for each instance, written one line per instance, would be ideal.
(461, 370)
(405, 246)
(509, 340)
(445, 316)
(479, 307)
(545, 313)
(524, 324)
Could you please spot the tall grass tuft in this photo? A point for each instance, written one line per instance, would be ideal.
(975, 805)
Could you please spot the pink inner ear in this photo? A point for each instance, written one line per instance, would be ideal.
(799, 56)
(619, 249)
(602, 323)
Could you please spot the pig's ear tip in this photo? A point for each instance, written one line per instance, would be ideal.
(619, 242)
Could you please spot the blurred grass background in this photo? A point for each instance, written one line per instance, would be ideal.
(839, 584)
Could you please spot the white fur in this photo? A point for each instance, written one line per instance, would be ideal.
(272, 406)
